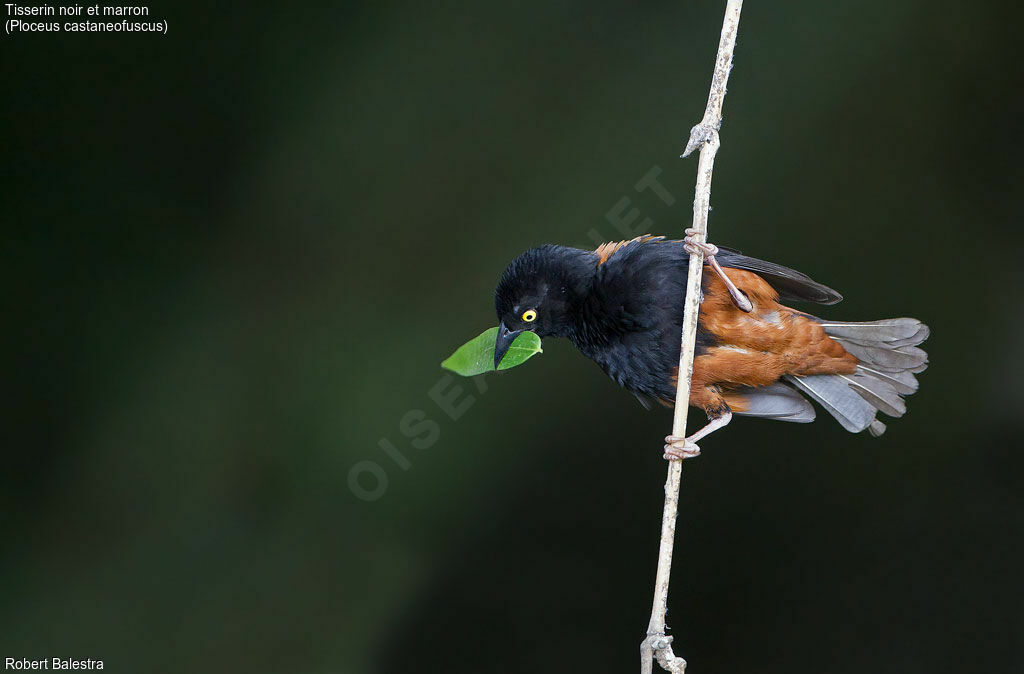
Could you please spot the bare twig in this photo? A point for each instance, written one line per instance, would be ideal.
(703, 136)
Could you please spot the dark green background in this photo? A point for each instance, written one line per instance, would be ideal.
(234, 256)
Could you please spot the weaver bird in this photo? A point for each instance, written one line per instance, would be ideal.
(621, 306)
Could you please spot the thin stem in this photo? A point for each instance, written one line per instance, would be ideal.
(704, 136)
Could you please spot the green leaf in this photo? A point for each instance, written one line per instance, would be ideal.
(477, 355)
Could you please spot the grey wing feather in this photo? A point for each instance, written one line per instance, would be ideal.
(776, 401)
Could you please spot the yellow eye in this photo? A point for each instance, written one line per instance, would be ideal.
(529, 315)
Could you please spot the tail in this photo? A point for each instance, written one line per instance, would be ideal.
(889, 359)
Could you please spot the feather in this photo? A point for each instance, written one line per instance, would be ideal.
(880, 356)
(776, 401)
(885, 330)
(914, 340)
(922, 334)
(644, 400)
(877, 392)
(790, 284)
(903, 382)
(832, 392)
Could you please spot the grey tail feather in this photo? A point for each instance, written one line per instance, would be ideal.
(831, 392)
(889, 359)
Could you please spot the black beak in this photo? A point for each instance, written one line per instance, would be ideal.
(503, 342)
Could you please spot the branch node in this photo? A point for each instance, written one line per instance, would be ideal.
(700, 134)
(659, 647)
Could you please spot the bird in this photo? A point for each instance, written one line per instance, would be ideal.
(621, 305)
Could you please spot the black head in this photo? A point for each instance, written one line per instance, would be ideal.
(541, 291)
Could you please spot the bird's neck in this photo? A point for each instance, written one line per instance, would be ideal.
(587, 326)
(579, 267)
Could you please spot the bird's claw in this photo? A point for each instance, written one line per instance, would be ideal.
(687, 451)
(692, 247)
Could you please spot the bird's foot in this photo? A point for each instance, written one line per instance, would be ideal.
(710, 250)
(692, 247)
(687, 451)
